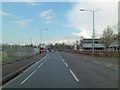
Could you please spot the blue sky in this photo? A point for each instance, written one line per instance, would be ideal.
(22, 20)
(14, 32)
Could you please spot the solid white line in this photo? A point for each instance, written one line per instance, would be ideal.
(66, 64)
(74, 75)
(28, 77)
(63, 60)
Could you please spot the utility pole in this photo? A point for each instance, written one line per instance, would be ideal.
(93, 33)
(68, 40)
(18, 50)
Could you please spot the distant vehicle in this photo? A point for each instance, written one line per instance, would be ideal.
(44, 50)
(41, 50)
(47, 50)
(66, 50)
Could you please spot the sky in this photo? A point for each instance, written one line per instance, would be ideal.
(22, 21)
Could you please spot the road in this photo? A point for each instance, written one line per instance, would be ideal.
(65, 70)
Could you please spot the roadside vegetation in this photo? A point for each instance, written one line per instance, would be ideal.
(16, 52)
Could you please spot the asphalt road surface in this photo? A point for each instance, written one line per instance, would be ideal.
(65, 70)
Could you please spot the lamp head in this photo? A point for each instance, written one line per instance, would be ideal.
(82, 9)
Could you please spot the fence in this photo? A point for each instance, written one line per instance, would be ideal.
(16, 52)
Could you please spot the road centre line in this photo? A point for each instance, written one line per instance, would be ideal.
(66, 64)
(28, 77)
(61, 57)
(74, 75)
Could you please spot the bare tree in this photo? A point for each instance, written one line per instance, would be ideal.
(107, 37)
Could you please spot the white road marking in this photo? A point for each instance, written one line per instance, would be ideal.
(97, 62)
(40, 60)
(66, 64)
(44, 60)
(108, 65)
(28, 77)
(115, 68)
(40, 65)
(112, 67)
(74, 75)
(63, 60)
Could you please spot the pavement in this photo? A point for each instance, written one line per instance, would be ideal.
(66, 70)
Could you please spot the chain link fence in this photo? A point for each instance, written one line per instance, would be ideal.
(16, 52)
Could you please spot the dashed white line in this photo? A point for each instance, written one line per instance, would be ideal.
(115, 68)
(44, 60)
(40, 65)
(66, 64)
(74, 75)
(97, 62)
(28, 77)
(61, 58)
(108, 65)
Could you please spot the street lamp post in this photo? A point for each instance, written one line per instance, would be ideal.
(41, 34)
(93, 25)
(68, 39)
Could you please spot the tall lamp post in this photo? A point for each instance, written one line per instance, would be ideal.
(93, 24)
(68, 39)
(41, 34)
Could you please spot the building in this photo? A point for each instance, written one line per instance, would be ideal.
(115, 45)
(87, 44)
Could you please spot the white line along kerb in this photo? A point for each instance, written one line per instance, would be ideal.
(28, 77)
(63, 60)
(74, 75)
(66, 64)
(40, 65)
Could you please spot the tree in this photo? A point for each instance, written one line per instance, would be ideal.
(107, 37)
(31, 45)
(56, 45)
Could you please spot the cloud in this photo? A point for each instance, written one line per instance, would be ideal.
(4, 13)
(60, 40)
(82, 21)
(83, 34)
(9, 14)
(45, 13)
(48, 17)
(47, 22)
(23, 23)
(33, 4)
